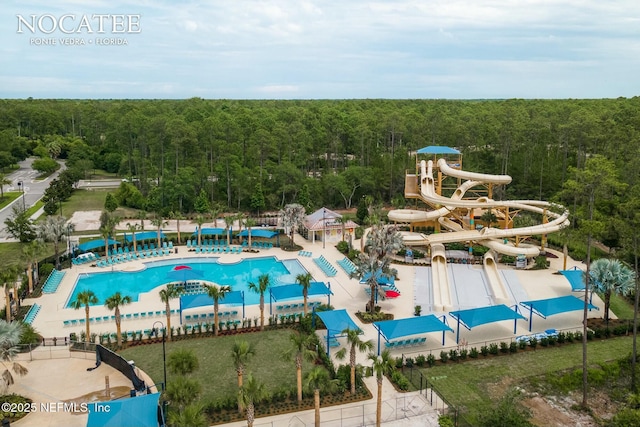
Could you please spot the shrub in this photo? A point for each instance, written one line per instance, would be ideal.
(421, 360)
(504, 347)
(561, 337)
(431, 360)
(533, 342)
(444, 356)
(493, 348)
(445, 421)
(569, 336)
(552, 340)
(522, 344)
(408, 362)
(544, 341)
(398, 362)
(464, 353)
(453, 355)
(484, 350)
(343, 247)
(400, 380)
(473, 353)
(513, 347)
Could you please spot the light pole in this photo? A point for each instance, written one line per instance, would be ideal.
(324, 227)
(164, 354)
(21, 187)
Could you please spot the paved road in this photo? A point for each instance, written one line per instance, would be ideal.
(33, 191)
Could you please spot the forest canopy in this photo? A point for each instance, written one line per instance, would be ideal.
(262, 155)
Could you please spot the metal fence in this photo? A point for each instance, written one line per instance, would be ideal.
(57, 348)
(358, 415)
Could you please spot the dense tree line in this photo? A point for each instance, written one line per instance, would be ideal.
(257, 155)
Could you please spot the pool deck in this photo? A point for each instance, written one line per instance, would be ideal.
(347, 294)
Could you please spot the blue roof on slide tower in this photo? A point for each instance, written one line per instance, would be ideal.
(438, 149)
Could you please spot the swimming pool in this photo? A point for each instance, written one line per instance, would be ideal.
(237, 275)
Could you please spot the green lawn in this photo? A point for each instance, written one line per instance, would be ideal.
(621, 307)
(9, 196)
(468, 384)
(84, 200)
(217, 373)
(11, 253)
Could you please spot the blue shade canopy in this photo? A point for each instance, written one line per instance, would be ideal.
(140, 411)
(211, 232)
(479, 316)
(575, 276)
(204, 300)
(336, 321)
(144, 235)
(437, 149)
(551, 306)
(94, 244)
(392, 329)
(279, 293)
(266, 234)
(382, 279)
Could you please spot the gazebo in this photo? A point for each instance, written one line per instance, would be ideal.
(326, 225)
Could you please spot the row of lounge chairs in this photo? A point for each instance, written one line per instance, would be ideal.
(218, 249)
(305, 253)
(258, 245)
(127, 316)
(406, 343)
(32, 313)
(139, 248)
(52, 282)
(132, 256)
(348, 266)
(298, 306)
(209, 316)
(325, 266)
(85, 258)
(546, 334)
(193, 243)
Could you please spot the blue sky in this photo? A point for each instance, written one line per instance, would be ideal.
(310, 49)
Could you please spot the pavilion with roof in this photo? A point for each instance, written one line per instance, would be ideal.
(326, 225)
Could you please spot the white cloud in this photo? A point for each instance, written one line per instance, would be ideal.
(339, 49)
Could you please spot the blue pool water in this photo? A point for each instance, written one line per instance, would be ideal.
(238, 276)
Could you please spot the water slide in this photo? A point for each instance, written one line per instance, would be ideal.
(441, 294)
(496, 284)
(490, 237)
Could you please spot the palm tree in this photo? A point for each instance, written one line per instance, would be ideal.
(240, 217)
(304, 280)
(353, 340)
(318, 379)
(250, 394)
(85, 299)
(611, 276)
(249, 223)
(217, 293)
(55, 229)
(114, 302)
(10, 333)
(8, 276)
(159, 222)
(264, 282)
(107, 229)
(191, 415)
(213, 213)
(200, 220)
(166, 295)
(183, 361)
(301, 346)
(141, 215)
(32, 252)
(240, 353)
(133, 229)
(177, 215)
(342, 221)
(229, 220)
(382, 365)
(181, 391)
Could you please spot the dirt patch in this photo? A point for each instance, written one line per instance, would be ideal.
(558, 411)
(86, 220)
